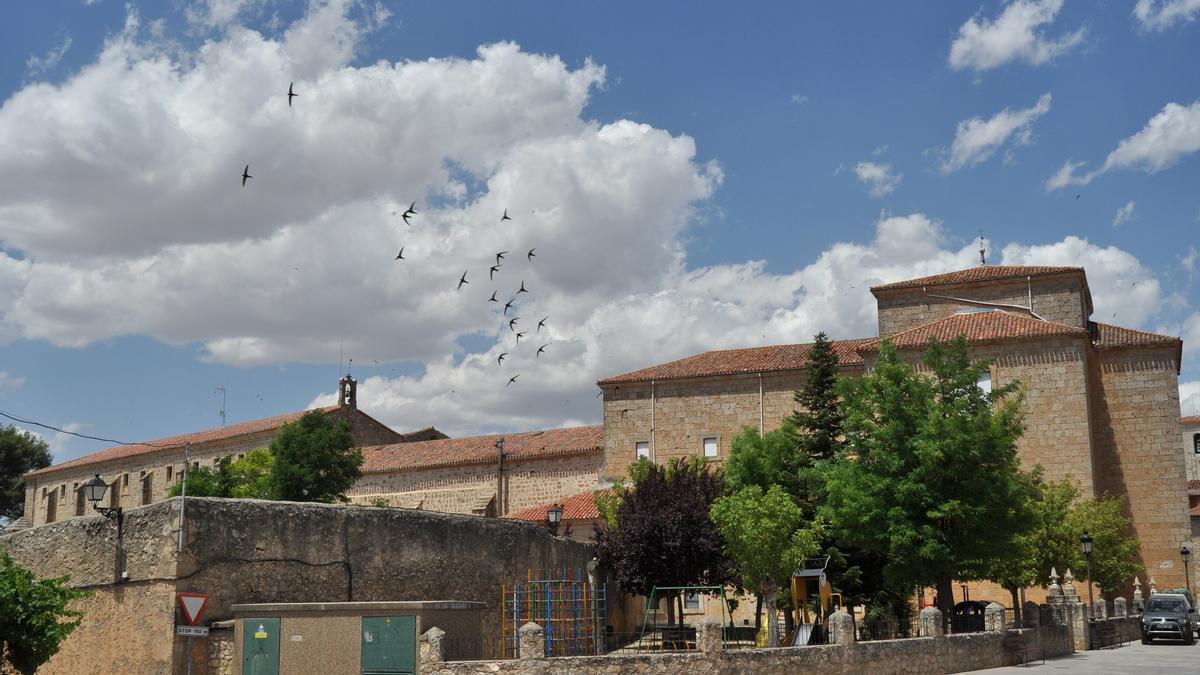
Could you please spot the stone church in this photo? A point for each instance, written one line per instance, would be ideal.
(1103, 410)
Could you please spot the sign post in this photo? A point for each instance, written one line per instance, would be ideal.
(193, 606)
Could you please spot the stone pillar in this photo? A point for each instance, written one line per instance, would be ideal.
(1056, 592)
(1153, 586)
(431, 650)
(1099, 610)
(993, 618)
(931, 622)
(708, 636)
(532, 641)
(1079, 626)
(1138, 602)
(1048, 615)
(1119, 608)
(1069, 586)
(841, 628)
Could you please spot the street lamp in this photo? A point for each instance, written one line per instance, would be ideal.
(554, 515)
(94, 490)
(1086, 542)
(1186, 553)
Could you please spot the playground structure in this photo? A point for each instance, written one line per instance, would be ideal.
(809, 583)
(657, 636)
(568, 605)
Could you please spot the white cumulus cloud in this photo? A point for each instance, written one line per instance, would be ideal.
(1124, 214)
(976, 139)
(1163, 14)
(1189, 398)
(1016, 35)
(878, 177)
(1169, 136)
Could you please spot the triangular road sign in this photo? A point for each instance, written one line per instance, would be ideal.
(193, 605)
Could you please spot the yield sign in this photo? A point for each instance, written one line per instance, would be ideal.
(193, 605)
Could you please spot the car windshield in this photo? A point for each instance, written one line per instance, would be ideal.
(1165, 605)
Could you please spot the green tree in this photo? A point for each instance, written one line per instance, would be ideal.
(1114, 551)
(930, 475)
(767, 536)
(248, 477)
(762, 461)
(20, 453)
(818, 421)
(201, 482)
(664, 535)
(34, 618)
(315, 459)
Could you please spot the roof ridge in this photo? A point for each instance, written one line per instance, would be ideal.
(977, 274)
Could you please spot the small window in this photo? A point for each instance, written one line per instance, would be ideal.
(241, 456)
(169, 470)
(691, 601)
(1196, 443)
(710, 448)
(79, 502)
(642, 449)
(147, 488)
(125, 480)
(196, 464)
(985, 383)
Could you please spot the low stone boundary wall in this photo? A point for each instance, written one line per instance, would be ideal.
(926, 655)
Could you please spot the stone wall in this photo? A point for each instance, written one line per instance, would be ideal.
(248, 551)
(466, 488)
(1056, 298)
(1135, 427)
(686, 411)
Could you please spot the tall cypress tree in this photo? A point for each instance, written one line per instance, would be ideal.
(817, 424)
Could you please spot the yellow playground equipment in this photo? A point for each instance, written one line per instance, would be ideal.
(810, 583)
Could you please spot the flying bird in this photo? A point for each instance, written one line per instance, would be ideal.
(500, 256)
(492, 271)
(512, 322)
(400, 255)
(500, 358)
(540, 350)
(513, 379)
(291, 95)
(493, 298)
(1078, 196)
(245, 175)
(462, 280)
(410, 211)
(531, 255)
(519, 336)
(507, 305)
(522, 288)
(505, 216)
(541, 324)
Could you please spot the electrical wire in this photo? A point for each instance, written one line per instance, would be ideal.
(51, 427)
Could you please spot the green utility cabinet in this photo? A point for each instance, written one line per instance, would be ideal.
(389, 645)
(260, 646)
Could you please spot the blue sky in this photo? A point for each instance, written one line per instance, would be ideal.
(694, 177)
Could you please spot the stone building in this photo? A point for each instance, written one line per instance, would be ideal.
(143, 474)
(1102, 400)
(1191, 446)
(472, 476)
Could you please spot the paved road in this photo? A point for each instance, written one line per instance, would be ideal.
(1134, 657)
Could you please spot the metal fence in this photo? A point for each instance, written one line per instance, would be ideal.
(476, 649)
(888, 628)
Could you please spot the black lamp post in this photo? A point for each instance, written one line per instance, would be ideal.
(1086, 542)
(1186, 554)
(554, 515)
(94, 490)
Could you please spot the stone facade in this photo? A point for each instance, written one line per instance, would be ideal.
(1191, 446)
(1061, 298)
(144, 475)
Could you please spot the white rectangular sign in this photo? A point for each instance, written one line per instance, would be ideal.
(192, 631)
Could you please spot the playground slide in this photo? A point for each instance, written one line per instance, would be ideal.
(802, 635)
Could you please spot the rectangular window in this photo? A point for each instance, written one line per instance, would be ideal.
(147, 488)
(642, 449)
(691, 601)
(1196, 443)
(125, 480)
(114, 493)
(169, 470)
(52, 506)
(79, 502)
(985, 383)
(710, 448)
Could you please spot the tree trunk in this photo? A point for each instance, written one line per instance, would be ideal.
(945, 596)
(758, 603)
(669, 598)
(771, 591)
(1016, 605)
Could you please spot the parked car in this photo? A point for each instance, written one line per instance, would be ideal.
(1169, 616)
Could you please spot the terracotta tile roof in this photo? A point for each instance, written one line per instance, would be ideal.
(576, 507)
(1108, 336)
(1190, 420)
(174, 442)
(480, 449)
(734, 361)
(981, 273)
(986, 326)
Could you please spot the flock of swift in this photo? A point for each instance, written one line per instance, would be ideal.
(407, 215)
